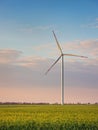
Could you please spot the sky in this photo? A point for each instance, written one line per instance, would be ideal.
(28, 48)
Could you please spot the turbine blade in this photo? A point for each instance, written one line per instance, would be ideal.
(75, 55)
(53, 65)
(57, 43)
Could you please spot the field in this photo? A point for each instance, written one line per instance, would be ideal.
(48, 117)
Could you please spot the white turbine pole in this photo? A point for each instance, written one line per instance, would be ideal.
(62, 80)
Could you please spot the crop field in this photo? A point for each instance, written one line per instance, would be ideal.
(48, 117)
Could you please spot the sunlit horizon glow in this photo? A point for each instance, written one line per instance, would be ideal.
(28, 48)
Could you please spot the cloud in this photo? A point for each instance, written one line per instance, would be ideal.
(15, 57)
(80, 47)
(9, 55)
(96, 19)
(30, 28)
(34, 62)
(84, 47)
(92, 25)
(49, 49)
(28, 71)
(26, 74)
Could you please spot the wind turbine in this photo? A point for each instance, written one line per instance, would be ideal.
(62, 66)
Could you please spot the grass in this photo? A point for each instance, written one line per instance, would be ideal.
(48, 117)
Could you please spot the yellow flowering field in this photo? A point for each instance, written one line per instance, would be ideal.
(48, 117)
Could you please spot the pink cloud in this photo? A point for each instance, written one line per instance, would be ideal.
(9, 55)
(84, 47)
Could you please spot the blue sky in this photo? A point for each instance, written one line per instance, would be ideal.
(27, 46)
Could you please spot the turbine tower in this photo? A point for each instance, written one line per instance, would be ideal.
(62, 66)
